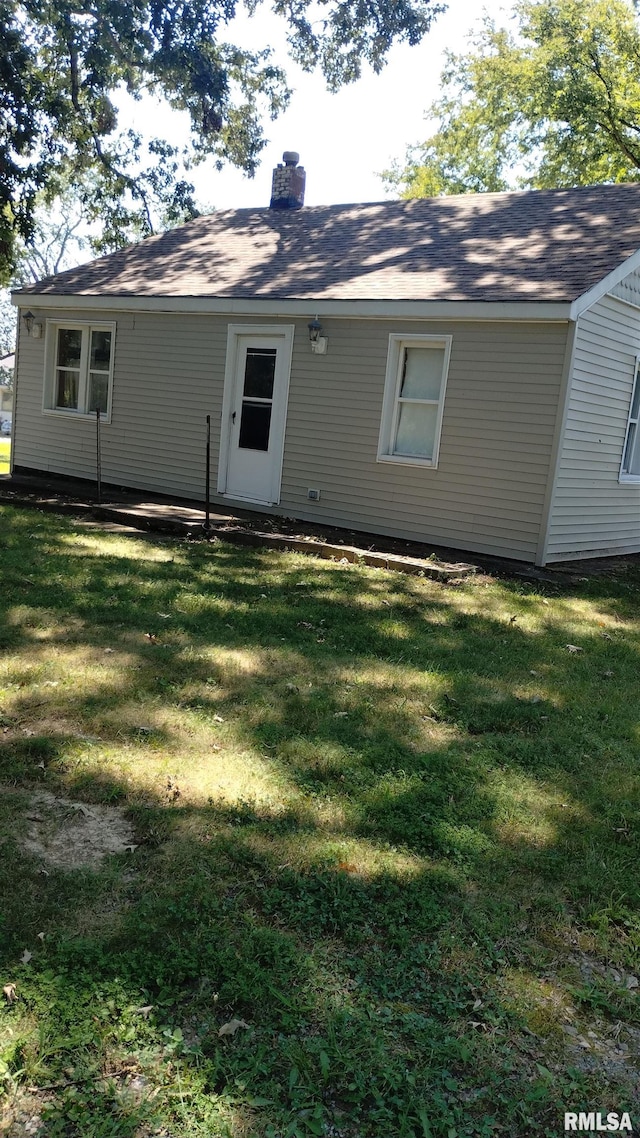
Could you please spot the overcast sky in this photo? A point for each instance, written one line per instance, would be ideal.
(343, 140)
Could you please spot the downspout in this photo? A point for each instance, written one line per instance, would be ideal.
(564, 396)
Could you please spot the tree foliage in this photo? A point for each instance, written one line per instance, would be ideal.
(63, 62)
(555, 104)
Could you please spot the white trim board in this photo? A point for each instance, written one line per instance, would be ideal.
(564, 399)
(528, 311)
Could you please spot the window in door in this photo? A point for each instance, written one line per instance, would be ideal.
(257, 398)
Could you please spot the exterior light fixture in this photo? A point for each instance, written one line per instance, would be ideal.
(318, 342)
(33, 330)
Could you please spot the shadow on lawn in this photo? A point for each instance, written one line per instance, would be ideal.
(468, 829)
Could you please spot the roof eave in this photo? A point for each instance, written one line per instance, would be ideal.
(365, 309)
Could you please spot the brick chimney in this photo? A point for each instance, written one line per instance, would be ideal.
(287, 187)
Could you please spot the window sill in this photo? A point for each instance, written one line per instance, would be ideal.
(407, 460)
(59, 413)
(629, 480)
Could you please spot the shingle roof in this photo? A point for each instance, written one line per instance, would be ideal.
(549, 245)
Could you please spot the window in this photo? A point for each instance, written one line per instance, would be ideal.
(79, 370)
(630, 469)
(257, 398)
(414, 399)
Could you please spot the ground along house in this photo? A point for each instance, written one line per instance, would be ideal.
(460, 371)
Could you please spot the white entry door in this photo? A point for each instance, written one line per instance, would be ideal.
(254, 412)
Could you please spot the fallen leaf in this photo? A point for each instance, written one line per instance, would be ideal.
(152, 637)
(218, 719)
(109, 651)
(144, 1011)
(606, 636)
(131, 848)
(631, 982)
(478, 1004)
(165, 615)
(545, 601)
(26, 956)
(573, 648)
(340, 714)
(231, 1027)
(9, 993)
(41, 937)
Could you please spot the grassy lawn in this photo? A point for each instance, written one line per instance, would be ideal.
(389, 826)
(5, 451)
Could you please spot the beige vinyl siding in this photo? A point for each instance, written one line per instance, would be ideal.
(499, 416)
(168, 374)
(592, 512)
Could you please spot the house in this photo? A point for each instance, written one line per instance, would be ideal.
(459, 371)
(6, 389)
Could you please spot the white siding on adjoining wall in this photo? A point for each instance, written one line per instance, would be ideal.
(500, 410)
(592, 512)
(629, 288)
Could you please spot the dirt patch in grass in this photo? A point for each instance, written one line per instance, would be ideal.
(72, 835)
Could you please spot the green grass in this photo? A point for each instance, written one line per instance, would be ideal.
(5, 452)
(390, 825)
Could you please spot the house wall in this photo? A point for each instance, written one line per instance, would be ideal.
(592, 513)
(6, 401)
(500, 411)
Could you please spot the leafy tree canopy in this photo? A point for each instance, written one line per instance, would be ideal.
(555, 104)
(62, 63)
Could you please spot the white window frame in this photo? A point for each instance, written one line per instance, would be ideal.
(624, 476)
(50, 355)
(391, 399)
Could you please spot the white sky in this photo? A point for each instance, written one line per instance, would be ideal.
(343, 140)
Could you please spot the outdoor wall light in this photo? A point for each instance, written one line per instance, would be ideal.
(33, 330)
(318, 342)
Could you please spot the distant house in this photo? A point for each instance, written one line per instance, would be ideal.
(460, 371)
(6, 389)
